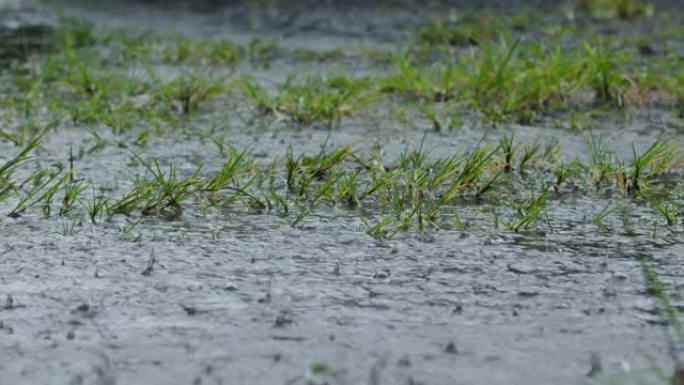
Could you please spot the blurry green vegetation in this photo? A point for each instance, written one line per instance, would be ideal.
(623, 9)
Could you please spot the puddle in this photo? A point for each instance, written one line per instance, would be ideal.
(233, 297)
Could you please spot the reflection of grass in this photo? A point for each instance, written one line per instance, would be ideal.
(675, 331)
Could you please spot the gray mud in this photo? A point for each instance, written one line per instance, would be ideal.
(238, 298)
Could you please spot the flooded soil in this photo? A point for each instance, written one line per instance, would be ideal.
(232, 297)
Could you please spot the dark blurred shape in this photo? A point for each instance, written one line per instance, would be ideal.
(22, 32)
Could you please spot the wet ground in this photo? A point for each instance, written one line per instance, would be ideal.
(242, 298)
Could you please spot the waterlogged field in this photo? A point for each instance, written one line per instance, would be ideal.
(254, 194)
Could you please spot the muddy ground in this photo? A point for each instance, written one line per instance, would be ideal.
(235, 298)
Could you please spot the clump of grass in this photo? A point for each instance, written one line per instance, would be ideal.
(188, 92)
(314, 179)
(265, 102)
(310, 100)
(659, 158)
(324, 192)
(168, 190)
(514, 79)
(325, 56)
(610, 9)
(603, 162)
(348, 190)
(97, 205)
(128, 202)
(529, 152)
(508, 152)
(72, 189)
(262, 51)
(565, 173)
(470, 30)
(129, 47)
(80, 85)
(510, 79)
(216, 52)
(324, 100)
(490, 80)
(529, 211)
(237, 164)
(415, 82)
(219, 52)
(78, 33)
(10, 165)
(302, 171)
(666, 209)
(603, 73)
(673, 80)
(463, 33)
(42, 186)
(417, 190)
(440, 121)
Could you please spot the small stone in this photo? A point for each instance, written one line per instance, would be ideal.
(70, 335)
(451, 348)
